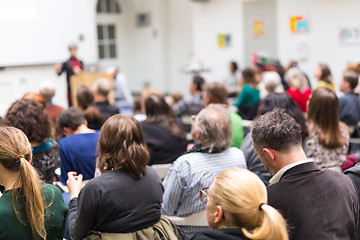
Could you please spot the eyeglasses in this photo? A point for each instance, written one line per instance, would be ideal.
(204, 195)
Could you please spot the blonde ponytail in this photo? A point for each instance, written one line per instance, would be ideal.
(15, 149)
(273, 225)
(243, 195)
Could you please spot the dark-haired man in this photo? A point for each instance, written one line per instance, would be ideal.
(78, 148)
(350, 102)
(317, 204)
(192, 104)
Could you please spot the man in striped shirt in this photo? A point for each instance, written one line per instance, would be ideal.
(195, 170)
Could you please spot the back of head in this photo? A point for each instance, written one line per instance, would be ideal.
(243, 195)
(122, 146)
(70, 118)
(323, 114)
(234, 66)
(29, 116)
(199, 82)
(352, 78)
(248, 75)
(215, 93)
(15, 151)
(276, 130)
(214, 127)
(84, 97)
(272, 81)
(158, 111)
(47, 90)
(295, 78)
(35, 96)
(102, 86)
(284, 101)
(325, 72)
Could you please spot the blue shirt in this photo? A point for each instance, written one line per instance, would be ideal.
(78, 153)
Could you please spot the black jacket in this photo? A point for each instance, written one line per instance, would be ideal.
(223, 234)
(316, 204)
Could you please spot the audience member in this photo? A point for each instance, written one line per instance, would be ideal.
(350, 103)
(211, 131)
(236, 206)
(232, 81)
(137, 109)
(249, 96)
(274, 100)
(36, 97)
(215, 93)
(191, 104)
(101, 89)
(328, 140)
(71, 67)
(126, 197)
(78, 148)
(29, 209)
(299, 89)
(317, 204)
(175, 98)
(164, 135)
(47, 91)
(85, 100)
(122, 93)
(323, 74)
(29, 116)
(271, 83)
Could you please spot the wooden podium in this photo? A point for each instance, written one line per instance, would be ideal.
(87, 79)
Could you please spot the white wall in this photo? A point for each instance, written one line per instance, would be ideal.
(213, 18)
(16, 81)
(325, 18)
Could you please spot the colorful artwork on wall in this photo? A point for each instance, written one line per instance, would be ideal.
(258, 28)
(224, 40)
(299, 24)
(349, 35)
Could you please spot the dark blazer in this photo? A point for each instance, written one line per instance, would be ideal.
(317, 204)
(66, 66)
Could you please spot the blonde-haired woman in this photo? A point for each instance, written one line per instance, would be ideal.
(299, 89)
(237, 209)
(28, 208)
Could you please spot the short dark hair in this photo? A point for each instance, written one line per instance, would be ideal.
(122, 146)
(248, 75)
(276, 130)
(71, 118)
(29, 116)
(352, 78)
(199, 82)
(216, 92)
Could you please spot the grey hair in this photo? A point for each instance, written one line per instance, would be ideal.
(214, 126)
(102, 86)
(47, 90)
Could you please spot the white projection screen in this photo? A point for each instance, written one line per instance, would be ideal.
(35, 31)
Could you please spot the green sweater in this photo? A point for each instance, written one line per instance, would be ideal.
(55, 216)
(248, 96)
(237, 130)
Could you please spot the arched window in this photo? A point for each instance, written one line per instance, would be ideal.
(108, 6)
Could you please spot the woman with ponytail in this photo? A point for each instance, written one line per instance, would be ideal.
(237, 209)
(28, 208)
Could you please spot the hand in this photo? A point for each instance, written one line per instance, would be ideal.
(58, 67)
(74, 184)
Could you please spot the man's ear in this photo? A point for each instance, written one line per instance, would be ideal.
(67, 131)
(269, 152)
(219, 214)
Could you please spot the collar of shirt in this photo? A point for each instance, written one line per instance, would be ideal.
(278, 175)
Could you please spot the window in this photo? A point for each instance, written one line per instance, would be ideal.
(106, 41)
(108, 6)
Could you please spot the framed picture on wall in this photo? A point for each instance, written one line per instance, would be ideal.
(349, 35)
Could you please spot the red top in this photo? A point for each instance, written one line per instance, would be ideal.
(300, 97)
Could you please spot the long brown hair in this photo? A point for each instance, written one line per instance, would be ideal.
(158, 111)
(122, 146)
(15, 151)
(323, 116)
(325, 73)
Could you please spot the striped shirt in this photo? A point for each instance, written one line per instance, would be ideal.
(189, 174)
(190, 105)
